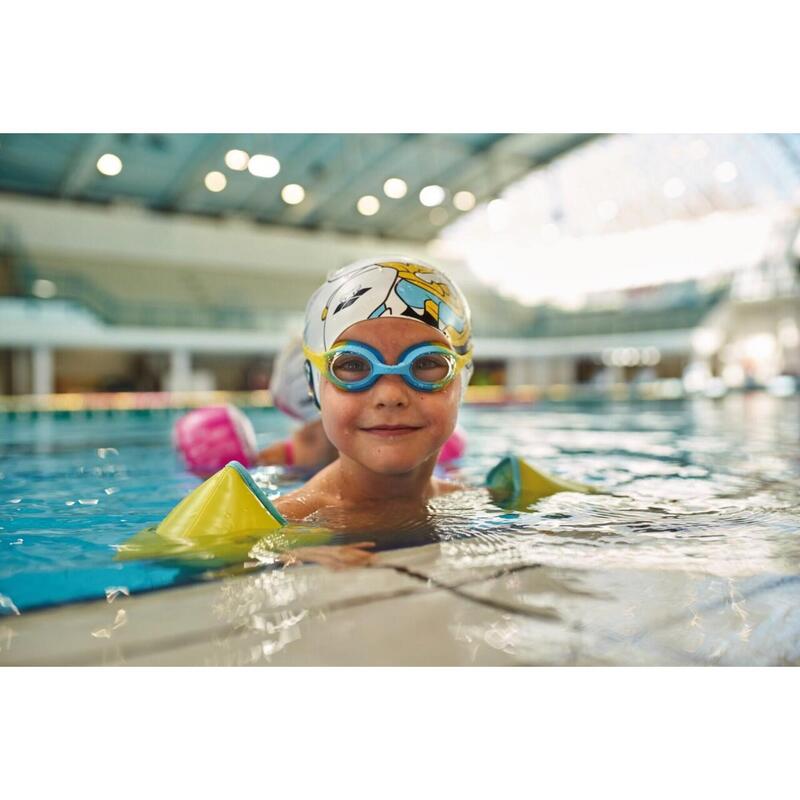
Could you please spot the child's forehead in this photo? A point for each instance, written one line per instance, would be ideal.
(392, 333)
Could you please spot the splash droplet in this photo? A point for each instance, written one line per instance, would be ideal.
(113, 592)
(7, 605)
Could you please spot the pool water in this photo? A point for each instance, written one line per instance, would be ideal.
(710, 487)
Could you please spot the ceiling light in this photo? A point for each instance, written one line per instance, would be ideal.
(395, 188)
(368, 205)
(109, 164)
(431, 196)
(215, 181)
(293, 193)
(236, 159)
(464, 201)
(264, 166)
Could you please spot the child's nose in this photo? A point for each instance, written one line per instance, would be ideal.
(390, 390)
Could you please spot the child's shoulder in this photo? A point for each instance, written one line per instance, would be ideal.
(442, 486)
(304, 501)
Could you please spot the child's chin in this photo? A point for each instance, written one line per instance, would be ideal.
(395, 464)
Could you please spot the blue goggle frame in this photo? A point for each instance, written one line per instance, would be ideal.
(324, 361)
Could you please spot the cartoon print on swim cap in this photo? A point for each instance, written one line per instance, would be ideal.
(397, 287)
(426, 299)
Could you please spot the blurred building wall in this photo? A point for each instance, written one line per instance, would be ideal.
(121, 235)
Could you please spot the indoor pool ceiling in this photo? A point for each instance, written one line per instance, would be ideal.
(181, 173)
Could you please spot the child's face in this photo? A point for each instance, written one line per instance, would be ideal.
(356, 422)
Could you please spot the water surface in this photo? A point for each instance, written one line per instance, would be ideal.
(701, 487)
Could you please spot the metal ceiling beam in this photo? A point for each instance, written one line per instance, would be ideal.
(193, 169)
(81, 169)
(544, 147)
(344, 175)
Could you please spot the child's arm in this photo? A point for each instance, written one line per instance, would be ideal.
(273, 454)
(298, 506)
(332, 556)
(307, 447)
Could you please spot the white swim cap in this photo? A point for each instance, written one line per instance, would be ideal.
(397, 287)
(288, 385)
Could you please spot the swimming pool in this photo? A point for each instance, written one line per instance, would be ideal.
(701, 522)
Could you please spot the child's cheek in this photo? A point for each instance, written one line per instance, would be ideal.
(339, 416)
(440, 409)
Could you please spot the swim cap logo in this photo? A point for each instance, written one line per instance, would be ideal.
(350, 300)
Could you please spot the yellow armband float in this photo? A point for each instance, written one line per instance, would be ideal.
(222, 520)
(514, 483)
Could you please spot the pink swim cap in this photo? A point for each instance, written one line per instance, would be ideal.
(453, 448)
(208, 438)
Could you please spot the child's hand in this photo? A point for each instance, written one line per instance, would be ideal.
(274, 454)
(332, 556)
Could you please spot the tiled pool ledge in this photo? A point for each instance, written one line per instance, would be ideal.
(91, 405)
(414, 608)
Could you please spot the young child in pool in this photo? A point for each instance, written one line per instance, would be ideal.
(388, 357)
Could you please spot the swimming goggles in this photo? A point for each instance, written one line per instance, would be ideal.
(355, 366)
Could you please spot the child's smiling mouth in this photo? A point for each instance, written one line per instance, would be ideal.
(391, 430)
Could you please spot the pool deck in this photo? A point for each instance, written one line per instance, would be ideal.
(414, 607)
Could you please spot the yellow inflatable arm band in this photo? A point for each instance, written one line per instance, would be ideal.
(221, 520)
(516, 484)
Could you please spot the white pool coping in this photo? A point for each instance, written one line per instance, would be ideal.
(415, 607)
